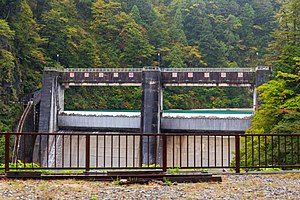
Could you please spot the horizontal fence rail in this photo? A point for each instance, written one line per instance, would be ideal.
(208, 70)
(155, 68)
(106, 151)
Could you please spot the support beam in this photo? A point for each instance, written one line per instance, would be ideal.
(150, 113)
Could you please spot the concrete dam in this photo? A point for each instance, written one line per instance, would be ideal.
(111, 151)
(150, 120)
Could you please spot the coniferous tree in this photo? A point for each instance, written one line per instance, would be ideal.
(9, 85)
(28, 46)
(280, 110)
(135, 14)
(119, 33)
(7, 63)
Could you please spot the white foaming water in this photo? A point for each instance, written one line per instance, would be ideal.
(165, 114)
(53, 151)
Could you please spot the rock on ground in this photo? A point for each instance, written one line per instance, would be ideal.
(271, 186)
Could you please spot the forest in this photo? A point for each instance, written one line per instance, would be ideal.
(35, 34)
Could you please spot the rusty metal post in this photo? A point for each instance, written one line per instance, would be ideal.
(164, 158)
(87, 152)
(237, 154)
(6, 161)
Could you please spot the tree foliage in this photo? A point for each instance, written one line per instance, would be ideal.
(130, 33)
(279, 111)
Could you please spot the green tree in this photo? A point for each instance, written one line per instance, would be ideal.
(8, 87)
(246, 32)
(280, 96)
(121, 40)
(177, 33)
(136, 50)
(263, 24)
(27, 44)
(106, 27)
(145, 7)
(7, 64)
(279, 111)
(69, 43)
(135, 14)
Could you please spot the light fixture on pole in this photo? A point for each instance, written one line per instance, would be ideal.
(257, 58)
(158, 58)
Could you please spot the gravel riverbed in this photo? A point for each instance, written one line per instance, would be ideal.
(259, 186)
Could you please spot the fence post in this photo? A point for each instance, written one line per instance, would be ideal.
(237, 154)
(87, 152)
(6, 161)
(164, 158)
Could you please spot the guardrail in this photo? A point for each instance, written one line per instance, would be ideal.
(101, 151)
(208, 70)
(154, 68)
(67, 70)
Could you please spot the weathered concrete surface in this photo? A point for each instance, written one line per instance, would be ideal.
(206, 124)
(70, 151)
(188, 151)
(241, 77)
(150, 113)
(52, 101)
(262, 75)
(99, 122)
(184, 151)
(54, 80)
(170, 121)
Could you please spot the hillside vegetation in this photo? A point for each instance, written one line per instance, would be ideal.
(129, 33)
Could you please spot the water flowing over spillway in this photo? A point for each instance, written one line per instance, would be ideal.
(221, 113)
(54, 151)
(171, 120)
(109, 151)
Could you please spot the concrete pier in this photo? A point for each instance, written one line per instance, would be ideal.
(150, 113)
(52, 101)
(262, 75)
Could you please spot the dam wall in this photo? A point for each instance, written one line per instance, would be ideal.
(114, 151)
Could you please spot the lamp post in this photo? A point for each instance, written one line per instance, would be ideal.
(57, 58)
(158, 58)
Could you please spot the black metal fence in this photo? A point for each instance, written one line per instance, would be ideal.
(106, 151)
